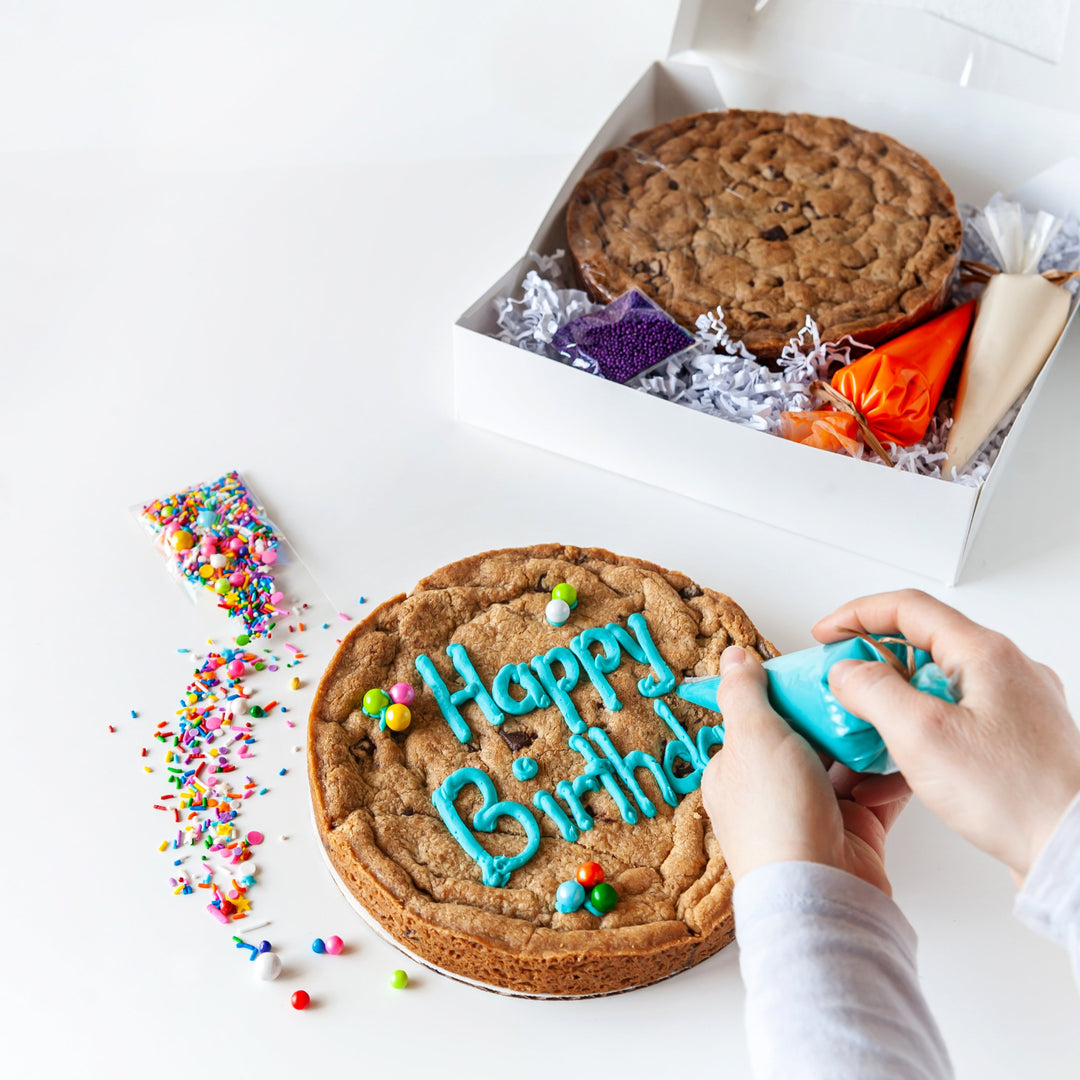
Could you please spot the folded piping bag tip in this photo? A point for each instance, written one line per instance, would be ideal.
(701, 691)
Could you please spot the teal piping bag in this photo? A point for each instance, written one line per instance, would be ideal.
(798, 686)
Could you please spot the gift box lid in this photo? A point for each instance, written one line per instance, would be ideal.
(1010, 49)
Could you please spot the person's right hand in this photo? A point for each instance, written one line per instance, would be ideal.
(1000, 767)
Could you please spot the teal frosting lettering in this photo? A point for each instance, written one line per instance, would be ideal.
(472, 691)
(534, 698)
(664, 680)
(559, 689)
(525, 768)
(624, 766)
(431, 676)
(495, 870)
(545, 802)
(643, 651)
(709, 736)
(682, 746)
(602, 770)
(597, 667)
(570, 793)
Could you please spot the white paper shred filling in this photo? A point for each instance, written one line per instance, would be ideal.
(722, 377)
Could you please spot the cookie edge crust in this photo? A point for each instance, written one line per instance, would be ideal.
(613, 962)
(766, 344)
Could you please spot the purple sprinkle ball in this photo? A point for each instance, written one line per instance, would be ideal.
(624, 339)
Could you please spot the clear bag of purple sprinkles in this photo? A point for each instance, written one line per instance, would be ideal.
(626, 338)
(221, 546)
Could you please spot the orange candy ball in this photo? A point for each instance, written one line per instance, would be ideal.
(590, 874)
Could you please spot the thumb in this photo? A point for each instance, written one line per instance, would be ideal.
(743, 697)
(879, 694)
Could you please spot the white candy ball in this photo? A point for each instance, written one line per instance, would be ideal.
(217, 561)
(557, 612)
(267, 965)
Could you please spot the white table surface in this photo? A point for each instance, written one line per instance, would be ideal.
(235, 236)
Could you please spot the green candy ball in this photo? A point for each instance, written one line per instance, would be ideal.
(222, 586)
(565, 592)
(257, 711)
(242, 639)
(603, 897)
(399, 980)
(375, 701)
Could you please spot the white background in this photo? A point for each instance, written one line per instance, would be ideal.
(235, 235)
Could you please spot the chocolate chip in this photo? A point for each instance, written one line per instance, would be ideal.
(517, 740)
(681, 768)
(472, 747)
(801, 228)
(408, 812)
(758, 315)
(691, 590)
(626, 189)
(777, 232)
(782, 207)
(673, 185)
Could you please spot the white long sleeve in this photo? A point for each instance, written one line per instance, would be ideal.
(1049, 902)
(831, 985)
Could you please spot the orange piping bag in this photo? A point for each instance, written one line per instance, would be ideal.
(897, 385)
(891, 392)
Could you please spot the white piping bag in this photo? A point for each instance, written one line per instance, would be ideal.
(1021, 316)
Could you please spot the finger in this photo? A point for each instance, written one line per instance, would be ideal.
(926, 622)
(889, 812)
(843, 779)
(743, 698)
(1055, 678)
(882, 696)
(880, 790)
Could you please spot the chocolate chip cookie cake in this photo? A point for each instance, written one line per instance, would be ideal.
(505, 783)
(771, 217)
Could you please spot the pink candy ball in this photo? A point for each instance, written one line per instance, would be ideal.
(402, 693)
(277, 597)
(334, 945)
(235, 668)
(235, 544)
(237, 578)
(269, 557)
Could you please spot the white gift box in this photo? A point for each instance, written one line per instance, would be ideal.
(967, 103)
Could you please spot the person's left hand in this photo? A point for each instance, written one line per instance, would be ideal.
(771, 799)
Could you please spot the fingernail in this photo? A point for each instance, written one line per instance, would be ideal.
(731, 656)
(839, 672)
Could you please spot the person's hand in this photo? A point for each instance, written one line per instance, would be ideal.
(1001, 767)
(770, 798)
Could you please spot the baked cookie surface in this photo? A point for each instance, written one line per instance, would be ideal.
(771, 217)
(392, 848)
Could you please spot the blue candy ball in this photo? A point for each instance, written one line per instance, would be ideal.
(318, 945)
(265, 946)
(569, 897)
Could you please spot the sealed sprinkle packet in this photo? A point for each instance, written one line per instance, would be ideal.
(219, 542)
(799, 691)
(629, 337)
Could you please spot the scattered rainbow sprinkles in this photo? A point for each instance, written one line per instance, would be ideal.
(210, 741)
(221, 540)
